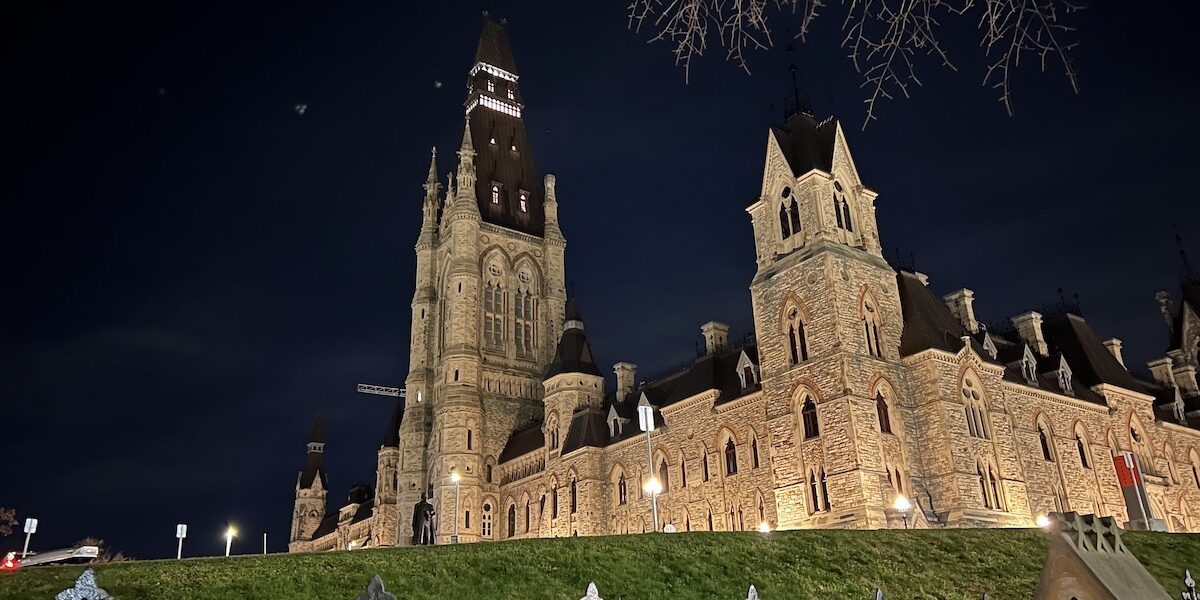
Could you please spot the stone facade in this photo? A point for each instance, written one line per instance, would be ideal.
(858, 386)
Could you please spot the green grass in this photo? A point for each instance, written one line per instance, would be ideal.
(712, 566)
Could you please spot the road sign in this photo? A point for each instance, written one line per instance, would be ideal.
(181, 531)
(31, 525)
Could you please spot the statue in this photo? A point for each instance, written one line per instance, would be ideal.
(422, 522)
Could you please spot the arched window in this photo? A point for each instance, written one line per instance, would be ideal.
(1141, 446)
(528, 515)
(870, 320)
(1044, 441)
(815, 505)
(976, 414)
(797, 337)
(1169, 454)
(754, 452)
(762, 510)
(622, 491)
(710, 521)
(574, 495)
(493, 310)
(470, 438)
(553, 500)
(552, 431)
(794, 209)
(837, 205)
(512, 520)
(664, 476)
(785, 227)
(1195, 460)
(682, 471)
(731, 465)
(1081, 447)
(525, 313)
(989, 486)
(881, 411)
(824, 489)
(485, 528)
(706, 474)
(808, 414)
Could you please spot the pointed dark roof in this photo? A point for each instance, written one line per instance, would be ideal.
(806, 144)
(493, 47)
(391, 438)
(317, 433)
(314, 467)
(522, 442)
(588, 429)
(1091, 363)
(503, 155)
(928, 323)
(574, 352)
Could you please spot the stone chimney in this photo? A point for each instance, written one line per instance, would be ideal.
(1185, 378)
(1114, 346)
(1029, 327)
(716, 336)
(1160, 369)
(626, 378)
(962, 304)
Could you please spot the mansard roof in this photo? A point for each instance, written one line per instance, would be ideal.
(588, 429)
(928, 323)
(522, 442)
(716, 371)
(574, 352)
(806, 144)
(391, 438)
(1164, 405)
(1091, 363)
(328, 525)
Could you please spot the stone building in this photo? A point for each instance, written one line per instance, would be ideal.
(858, 386)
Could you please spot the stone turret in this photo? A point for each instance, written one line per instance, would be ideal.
(312, 486)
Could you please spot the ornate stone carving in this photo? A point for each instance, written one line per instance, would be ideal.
(85, 589)
(375, 591)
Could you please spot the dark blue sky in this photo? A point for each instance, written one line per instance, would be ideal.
(192, 274)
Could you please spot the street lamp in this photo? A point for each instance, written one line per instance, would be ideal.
(646, 423)
(456, 478)
(904, 505)
(229, 534)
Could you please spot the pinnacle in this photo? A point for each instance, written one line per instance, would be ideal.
(432, 177)
(466, 141)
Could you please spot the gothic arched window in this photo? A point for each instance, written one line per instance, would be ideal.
(881, 411)
(870, 319)
(663, 476)
(785, 227)
(574, 495)
(512, 520)
(794, 209)
(808, 414)
(797, 338)
(493, 310)
(731, 465)
(682, 471)
(704, 466)
(622, 491)
(837, 205)
(1044, 441)
(485, 528)
(754, 453)
(525, 313)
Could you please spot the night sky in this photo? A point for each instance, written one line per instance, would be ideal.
(193, 269)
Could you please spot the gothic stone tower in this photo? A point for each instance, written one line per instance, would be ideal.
(312, 486)
(828, 320)
(488, 304)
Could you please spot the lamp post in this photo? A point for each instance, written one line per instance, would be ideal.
(646, 422)
(229, 534)
(904, 505)
(456, 478)
(1043, 522)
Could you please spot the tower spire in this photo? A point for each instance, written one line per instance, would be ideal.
(431, 179)
(466, 163)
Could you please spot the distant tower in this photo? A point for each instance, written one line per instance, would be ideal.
(312, 486)
(488, 305)
(387, 482)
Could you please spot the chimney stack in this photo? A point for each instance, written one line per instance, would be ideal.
(1185, 377)
(1114, 346)
(1029, 327)
(1160, 369)
(962, 304)
(626, 378)
(716, 336)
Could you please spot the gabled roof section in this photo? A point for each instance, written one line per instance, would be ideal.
(1091, 363)
(806, 144)
(928, 323)
(717, 371)
(493, 47)
(589, 428)
(522, 442)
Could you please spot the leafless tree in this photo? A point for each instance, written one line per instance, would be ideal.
(8, 520)
(884, 38)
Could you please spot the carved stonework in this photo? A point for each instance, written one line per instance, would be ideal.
(1087, 559)
(375, 591)
(85, 589)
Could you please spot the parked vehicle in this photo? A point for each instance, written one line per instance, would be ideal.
(79, 554)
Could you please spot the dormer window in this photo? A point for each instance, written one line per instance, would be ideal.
(747, 371)
(989, 346)
(1029, 367)
(495, 193)
(1064, 376)
(491, 85)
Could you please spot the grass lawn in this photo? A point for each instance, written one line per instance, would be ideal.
(961, 563)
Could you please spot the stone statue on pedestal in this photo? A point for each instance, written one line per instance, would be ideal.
(422, 522)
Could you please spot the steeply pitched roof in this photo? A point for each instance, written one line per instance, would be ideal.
(493, 47)
(717, 371)
(928, 323)
(806, 144)
(391, 437)
(574, 352)
(522, 442)
(588, 428)
(317, 433)
(314, 467)
(1091, 363)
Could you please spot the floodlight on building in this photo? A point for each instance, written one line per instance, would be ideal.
(1043, 522)
(764, 527)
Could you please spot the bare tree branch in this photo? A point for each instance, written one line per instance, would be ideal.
(885, 39)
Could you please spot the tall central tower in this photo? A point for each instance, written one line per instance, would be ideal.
(488, 305)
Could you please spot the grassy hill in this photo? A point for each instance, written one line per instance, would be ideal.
(711, 566)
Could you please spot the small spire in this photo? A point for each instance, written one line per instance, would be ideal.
(466, 141)
(432, 178)
(317, 433)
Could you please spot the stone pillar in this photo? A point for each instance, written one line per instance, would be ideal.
(716, 336)
(1160, 369)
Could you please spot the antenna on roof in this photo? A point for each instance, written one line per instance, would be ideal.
(799, 106)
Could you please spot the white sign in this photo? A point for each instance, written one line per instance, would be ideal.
(181, 531)
(31, 525)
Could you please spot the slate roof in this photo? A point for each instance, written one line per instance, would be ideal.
(522, 442)
(589, 428)
(574, 352)
(1091, 363)
(498, 162)
(314, 466)
(806, 144)
(328, 525)
(391, 437)
(928, 323)
(317, 433)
